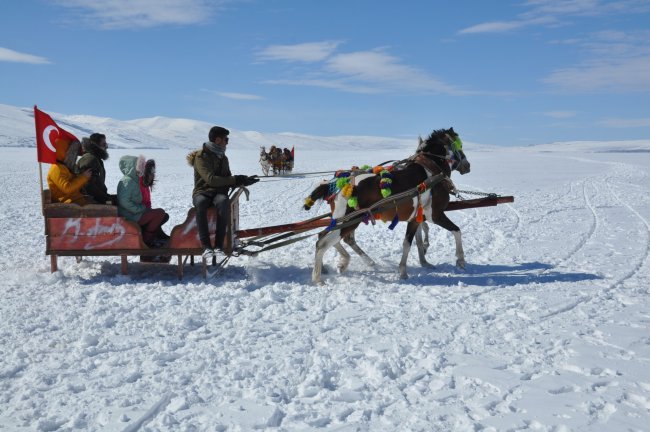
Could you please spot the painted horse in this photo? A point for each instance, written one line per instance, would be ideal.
(438, 154)
(265, 161)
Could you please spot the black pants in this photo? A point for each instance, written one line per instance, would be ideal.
(202, 203)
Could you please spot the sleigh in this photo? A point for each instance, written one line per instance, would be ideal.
(97, 230)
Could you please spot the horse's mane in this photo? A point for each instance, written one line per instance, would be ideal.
(436, 135)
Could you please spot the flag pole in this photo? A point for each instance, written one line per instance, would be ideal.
(40, 182)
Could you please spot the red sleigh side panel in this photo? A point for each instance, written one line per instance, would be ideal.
(92, 234)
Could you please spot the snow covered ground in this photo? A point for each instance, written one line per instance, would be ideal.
(547, 329)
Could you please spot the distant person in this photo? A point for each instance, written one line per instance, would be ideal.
(65, 187)
(212, 181)
(130, 205)
(147, 177)
(95, 153)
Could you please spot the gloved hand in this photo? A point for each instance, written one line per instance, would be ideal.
(251, 180)
(240, 180)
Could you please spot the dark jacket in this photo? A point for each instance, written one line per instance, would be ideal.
(96, 187)
(211, 173)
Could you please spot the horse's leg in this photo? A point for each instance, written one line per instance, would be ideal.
(330, 239)
(344, 260)
(425, 230)
(411, 229)
(441, 219)
(351, 241)
(423, 245)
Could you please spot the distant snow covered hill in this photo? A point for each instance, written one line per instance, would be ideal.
(17, 130)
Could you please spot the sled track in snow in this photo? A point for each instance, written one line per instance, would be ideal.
(646, 252)
(606, 292)
(592, 229)
(588, 236)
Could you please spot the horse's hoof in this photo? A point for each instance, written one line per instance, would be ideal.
(461, 264)
(427, 265)
(403, 276)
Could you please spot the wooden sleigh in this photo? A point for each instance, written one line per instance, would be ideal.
(97, 230)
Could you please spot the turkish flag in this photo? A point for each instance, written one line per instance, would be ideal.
(292, 153)
(47, 133)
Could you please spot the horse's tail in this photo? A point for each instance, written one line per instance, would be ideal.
(320, 192)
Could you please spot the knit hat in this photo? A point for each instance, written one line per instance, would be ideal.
(217, 132)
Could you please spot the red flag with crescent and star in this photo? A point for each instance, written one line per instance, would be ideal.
(47, 133)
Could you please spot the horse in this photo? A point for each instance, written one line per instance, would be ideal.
(265, 163)
(440, 153)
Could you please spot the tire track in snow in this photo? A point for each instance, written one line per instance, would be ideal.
(646, 252)
(605, 293)
(595, 222)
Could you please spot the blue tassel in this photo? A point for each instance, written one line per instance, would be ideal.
(331, 225)
(332, 188)
(393, 224)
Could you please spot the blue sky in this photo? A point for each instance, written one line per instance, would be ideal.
(500, 72)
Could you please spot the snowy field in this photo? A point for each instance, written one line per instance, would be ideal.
(547, 329)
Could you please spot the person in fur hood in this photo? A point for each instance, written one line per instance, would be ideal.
(95, 153)
(131, 207)
(65, 186)
(212, 181)
(146, 170)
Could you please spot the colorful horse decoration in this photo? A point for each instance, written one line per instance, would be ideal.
(361, 188)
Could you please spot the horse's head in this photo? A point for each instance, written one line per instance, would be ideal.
(456, 155)
(445, 144)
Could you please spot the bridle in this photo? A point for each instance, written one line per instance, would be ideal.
(455, 154)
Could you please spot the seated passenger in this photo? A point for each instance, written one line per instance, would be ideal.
(147, 176)
(130, 205)
(95, 153)
(65, 187)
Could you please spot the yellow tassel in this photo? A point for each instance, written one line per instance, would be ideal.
(347, 190)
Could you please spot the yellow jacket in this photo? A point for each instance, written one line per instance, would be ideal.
(65, 187)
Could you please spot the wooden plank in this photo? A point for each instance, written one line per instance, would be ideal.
(125, 265)
(60, 210)
(93, 233)
(274, 229)
(479, 202)
(186, 235)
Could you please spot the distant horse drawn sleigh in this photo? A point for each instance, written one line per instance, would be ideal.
(413, 190)
(276, 161)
